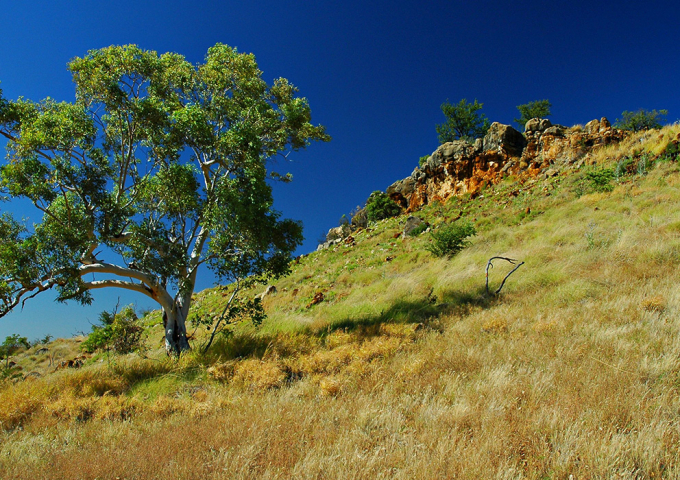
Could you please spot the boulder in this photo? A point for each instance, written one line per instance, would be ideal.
(418, 174)
(448, 152)
(537, 125)
(604, 124)
(338, 233)
(479, 145)
(592, 126)
(454, 150)
(532, 125)
(504, 138)
(557, 130)
(360, 220)
(402, 187)
(270, 290)
(412, 223)
(544, 124)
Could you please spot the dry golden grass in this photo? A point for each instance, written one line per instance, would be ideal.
(573, 372)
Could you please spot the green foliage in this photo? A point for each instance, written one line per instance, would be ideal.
(13, 343)
(450, 239)
(42, 341)
(601, 180)
(379, 206)
(624, 167)
(422, 160)
(159, 161)
(641, 120)
(671, 153)
(119, 332)
(644, 164)
(536, 109)
(463, 121)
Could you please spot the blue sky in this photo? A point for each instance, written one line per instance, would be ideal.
(375, 74)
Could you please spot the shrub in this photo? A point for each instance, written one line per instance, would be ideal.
(644, 164)
(422, 160)
(641, 120)
(120, 332)
(13, 343)
(624, 167)
(451, 239)
(671, 153)
(379, 205)
(601, 180)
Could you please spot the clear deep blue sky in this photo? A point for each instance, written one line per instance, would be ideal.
(375, 74)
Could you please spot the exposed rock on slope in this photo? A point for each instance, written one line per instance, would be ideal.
(459, 167)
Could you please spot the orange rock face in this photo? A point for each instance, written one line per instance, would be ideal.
(458, 168)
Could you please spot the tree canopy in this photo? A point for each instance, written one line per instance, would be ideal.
(463, 121)
(157, 168)
(641, 120)
(536, 109)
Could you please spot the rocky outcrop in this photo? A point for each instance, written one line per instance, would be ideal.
(458, 168)
(336, 236)
(504, 139)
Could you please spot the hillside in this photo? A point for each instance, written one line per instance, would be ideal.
(379, 360)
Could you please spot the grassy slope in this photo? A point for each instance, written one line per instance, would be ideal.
(406, 370)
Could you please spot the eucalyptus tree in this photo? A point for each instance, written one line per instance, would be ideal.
(160, 167)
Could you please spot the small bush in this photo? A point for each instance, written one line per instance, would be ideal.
(120, 332)
(422, 160)
(623, 167)
(644, 165)
(671, 153)
(451, 239)
(13, 343)
(601, 180)
(379, 206)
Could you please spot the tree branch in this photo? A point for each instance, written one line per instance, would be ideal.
(135, 287)
(219, 321)
(490, 265)
(120, 271)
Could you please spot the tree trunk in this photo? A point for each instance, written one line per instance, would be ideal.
(175, 331)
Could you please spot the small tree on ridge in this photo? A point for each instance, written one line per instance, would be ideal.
(536, 109)
(641, 120)
(463, 121)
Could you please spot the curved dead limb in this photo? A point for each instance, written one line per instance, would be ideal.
(490, 265)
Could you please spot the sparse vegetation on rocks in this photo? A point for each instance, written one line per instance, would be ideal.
(641, 120)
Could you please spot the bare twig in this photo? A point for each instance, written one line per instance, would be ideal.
(222, 317)
(490, 265)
